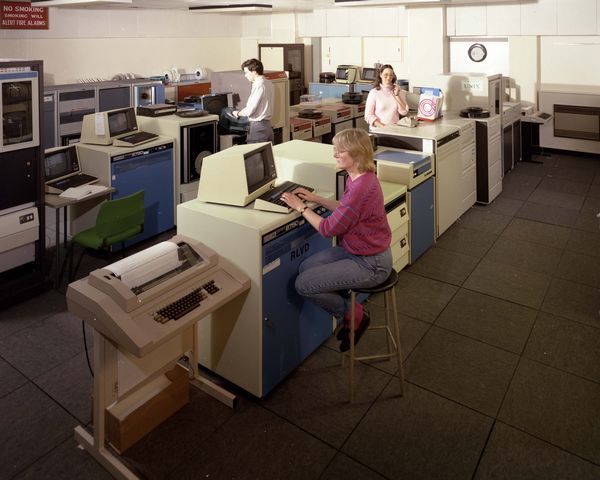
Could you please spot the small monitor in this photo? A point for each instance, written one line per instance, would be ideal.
(368, 75)
(214, 103)
(60, 162)
(103, 127)
(121, 122)
(346, 74)
(237, 175)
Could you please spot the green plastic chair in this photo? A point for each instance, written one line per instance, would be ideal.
(118, 220)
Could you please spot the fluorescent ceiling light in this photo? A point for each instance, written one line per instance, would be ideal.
(233, 7)
(79, 3)
(416, 3)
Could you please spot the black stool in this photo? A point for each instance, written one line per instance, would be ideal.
(392, 337)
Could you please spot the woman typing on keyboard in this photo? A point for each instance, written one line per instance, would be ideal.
(362, 257)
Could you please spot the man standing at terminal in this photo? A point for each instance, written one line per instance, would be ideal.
(259, 108)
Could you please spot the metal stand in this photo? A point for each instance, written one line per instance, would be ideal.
(106, 394)
(530, 138)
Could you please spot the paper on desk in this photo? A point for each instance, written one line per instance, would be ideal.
(82, 191)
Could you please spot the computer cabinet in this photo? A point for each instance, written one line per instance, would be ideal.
(148, 167)
(256, 340)
(66, 105)
(489, 158)
(22, 213)
(195, 138)
(396, 208)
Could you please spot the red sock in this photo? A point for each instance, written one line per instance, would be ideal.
(358, 315)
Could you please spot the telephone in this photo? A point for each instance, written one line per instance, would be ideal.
(408, 121)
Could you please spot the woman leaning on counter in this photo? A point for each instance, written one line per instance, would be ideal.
(386, 100)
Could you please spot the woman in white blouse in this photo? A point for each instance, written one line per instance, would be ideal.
(386, 101)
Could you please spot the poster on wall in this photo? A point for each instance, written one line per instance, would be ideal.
(22, 16)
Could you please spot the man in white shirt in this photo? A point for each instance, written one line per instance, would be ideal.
(259, 108)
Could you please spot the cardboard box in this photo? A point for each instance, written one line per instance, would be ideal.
(130, 419)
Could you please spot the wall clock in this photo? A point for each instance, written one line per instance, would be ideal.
(477, 52)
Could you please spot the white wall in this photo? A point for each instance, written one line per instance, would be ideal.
(524, 68)
(570, 60)
(100, 43)
(550, 41)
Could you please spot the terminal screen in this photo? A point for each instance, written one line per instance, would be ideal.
(121, 121)
(368, 74)
(214, 103)
(60, 163)
(255, 170)
(260, 167)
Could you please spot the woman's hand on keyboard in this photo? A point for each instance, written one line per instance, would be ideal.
(293, 201)
(306, 195)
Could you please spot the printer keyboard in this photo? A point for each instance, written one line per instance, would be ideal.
(135, 139)
(271, 200)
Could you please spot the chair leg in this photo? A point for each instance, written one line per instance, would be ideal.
(386, 306)
(73, 272)
(398, 345)
(352, 348)
(67, 259)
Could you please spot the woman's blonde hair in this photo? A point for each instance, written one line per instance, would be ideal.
(358, 144)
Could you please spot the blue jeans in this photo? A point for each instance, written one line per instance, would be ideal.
(325, 275)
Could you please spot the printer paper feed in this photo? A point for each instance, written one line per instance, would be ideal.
(147, 265)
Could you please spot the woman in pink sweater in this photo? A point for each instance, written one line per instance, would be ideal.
(362, 257)
(386, 100)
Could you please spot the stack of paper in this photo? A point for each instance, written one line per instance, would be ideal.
(82, 191)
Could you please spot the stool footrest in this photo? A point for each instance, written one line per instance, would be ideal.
(379, 356)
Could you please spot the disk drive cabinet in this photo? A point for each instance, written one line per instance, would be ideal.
(49, 109)
(128, 169)
(442, 141)
(396, 208)
(74, 102)
(256, 340)
(489, 158)
(415, 171)
(464, 193)
(194, 138)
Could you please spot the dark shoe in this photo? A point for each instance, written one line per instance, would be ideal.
(364, 324)
(343, 332)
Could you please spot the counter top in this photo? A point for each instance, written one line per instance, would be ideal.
(435, 130)
(258, 220)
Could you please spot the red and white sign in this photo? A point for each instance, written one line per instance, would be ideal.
(22, 16)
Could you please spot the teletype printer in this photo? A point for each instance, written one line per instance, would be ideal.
(144, 310)
(146, 299)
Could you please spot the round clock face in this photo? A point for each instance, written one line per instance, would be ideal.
(477, 52)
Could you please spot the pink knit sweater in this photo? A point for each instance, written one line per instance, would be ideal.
(382, 106)
(360, 220)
